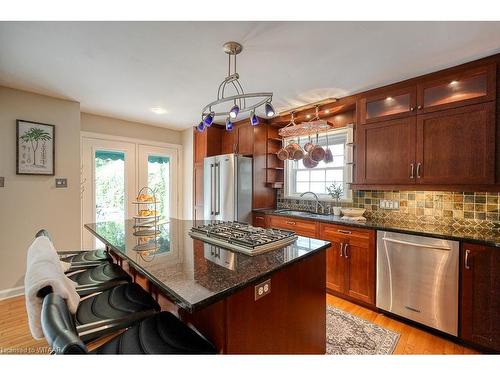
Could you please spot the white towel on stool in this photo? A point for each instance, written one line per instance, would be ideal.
(45, 269)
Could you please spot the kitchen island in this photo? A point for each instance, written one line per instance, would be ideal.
(270, 303)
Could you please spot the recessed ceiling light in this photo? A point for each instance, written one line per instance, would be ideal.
(158, 110)
(388, 98)
(453, 83)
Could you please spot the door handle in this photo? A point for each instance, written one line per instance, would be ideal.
(419, 166)
(466, 260)
(341, 246)
(211, 189)
(412, 172)
(344, 231)
(435, 247)
(345, 250)
(217, 190)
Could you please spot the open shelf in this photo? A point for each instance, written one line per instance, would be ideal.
(276, 168)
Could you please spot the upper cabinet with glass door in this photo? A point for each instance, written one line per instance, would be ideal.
(472, 86)
(387, 104)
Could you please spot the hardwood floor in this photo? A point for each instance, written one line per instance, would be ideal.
(15, 337)
(412, 340)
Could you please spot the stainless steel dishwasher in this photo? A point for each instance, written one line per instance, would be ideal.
(417, 278)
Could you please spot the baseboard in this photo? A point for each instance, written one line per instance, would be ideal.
(12, 292)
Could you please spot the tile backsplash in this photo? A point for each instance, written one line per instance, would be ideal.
(426, 207)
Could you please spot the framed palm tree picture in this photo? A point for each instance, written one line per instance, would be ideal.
(35, 148)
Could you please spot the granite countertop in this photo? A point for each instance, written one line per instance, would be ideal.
(489, 237)
(192, 273)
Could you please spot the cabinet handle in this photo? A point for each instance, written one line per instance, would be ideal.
(341, 247)
(345, 251)
(419, 165)
(420, 107)
(291, 222)
(259, 217)
(412, 109)
(466, 260)
(412, 172)
(344, 231)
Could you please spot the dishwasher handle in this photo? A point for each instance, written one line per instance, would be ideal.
(436, 247)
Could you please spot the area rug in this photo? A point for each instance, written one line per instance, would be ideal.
(348, 334)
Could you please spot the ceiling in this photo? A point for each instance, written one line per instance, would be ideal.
(123, 69)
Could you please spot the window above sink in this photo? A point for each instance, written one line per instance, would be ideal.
(299, 179)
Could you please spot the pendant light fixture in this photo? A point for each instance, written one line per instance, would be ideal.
(230, 106)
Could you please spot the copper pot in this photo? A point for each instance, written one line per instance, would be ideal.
(309, 162)
(308, 146)
(298, 154)
(291, 149)
(317, 152)
(282, 154)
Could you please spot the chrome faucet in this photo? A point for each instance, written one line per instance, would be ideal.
(318, 203)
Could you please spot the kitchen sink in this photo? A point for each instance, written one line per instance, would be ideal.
(299, 213)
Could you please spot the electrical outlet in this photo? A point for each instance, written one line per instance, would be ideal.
(61, 182)
(2, 181)
(389, 204)
(262, 289)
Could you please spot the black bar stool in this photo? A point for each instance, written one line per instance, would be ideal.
(161, 333)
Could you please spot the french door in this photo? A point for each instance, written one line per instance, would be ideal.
(157, 169)
(113, 172)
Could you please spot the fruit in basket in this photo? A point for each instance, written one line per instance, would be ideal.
(145, 198)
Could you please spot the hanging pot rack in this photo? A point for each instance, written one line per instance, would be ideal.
(313, 126)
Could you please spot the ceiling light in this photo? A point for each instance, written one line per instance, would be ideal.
(201, 126)
(453, 83)
(158, 110)
(233, 113)
(388, 98)
(231, 91)
(209, 119)
(269, 109)
(229, 124)
(254, 120)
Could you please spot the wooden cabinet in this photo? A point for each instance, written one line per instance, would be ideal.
(259, 220)
(480, 295)
(456, 146)
(385, 152)
(457, 89)
(335, 265)
(198, 184)
(205, 144)
(229, 142)
(387, 104)
(245, 139)
(350, 267)
(301, 227)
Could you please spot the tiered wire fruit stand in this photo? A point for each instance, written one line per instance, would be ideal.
(146, 222)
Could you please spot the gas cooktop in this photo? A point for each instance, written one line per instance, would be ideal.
(243, 237)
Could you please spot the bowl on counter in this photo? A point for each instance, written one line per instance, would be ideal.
(353, 212)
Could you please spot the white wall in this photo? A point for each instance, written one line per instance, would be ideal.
(122, 128)
(29, 203)
(187, 151)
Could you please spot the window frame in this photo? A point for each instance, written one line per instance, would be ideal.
(290, 171)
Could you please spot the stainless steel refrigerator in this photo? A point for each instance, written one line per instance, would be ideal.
(227, 188)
